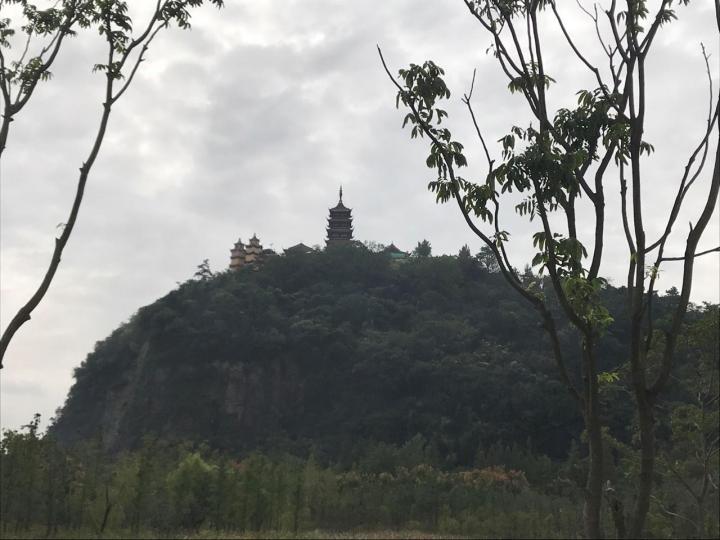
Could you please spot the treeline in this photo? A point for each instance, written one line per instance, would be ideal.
(163, 489)
(167, 490)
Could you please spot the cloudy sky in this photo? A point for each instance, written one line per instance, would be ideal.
(248, 124)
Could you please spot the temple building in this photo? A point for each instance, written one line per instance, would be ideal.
(396, 254)
(237, 255)
(253, 250)
(251, 253)
(339, 229)
(300, 248)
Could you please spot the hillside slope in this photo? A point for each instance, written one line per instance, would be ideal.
(328, 351)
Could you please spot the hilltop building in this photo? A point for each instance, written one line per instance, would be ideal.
(396, 254)
(251, 253)
(339, 229)
(237, 255)
(298, 248)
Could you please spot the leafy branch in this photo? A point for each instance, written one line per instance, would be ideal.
(113, 23)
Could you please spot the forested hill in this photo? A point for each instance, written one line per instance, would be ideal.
(329, 352)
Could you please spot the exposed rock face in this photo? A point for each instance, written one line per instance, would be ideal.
(251, 395)
(231, 405)
(119, 397)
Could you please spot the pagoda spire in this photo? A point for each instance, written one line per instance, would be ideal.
(341, 193)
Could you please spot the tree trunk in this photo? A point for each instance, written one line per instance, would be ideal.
(646, 421)
(4, 129)
(296, 509)
(647, 466)
(593, 488)
(618, 514)
(106, 514)
(24, 313)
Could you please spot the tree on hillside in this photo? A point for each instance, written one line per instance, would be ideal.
(125, 51)
(423, 249)
(203, 272)
(552, 161)
(487, 260)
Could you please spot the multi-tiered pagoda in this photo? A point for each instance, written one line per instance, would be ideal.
(339, 229)
(248, 254)
(237, 255)
(253, 250)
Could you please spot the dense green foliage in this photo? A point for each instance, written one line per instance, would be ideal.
(341, 391)
(327, 351)
(162, 489)
(330, 350)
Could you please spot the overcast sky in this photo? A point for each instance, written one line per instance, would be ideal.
(248, 124)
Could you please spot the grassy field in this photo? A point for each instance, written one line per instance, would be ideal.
(227, 535)
(328, 534)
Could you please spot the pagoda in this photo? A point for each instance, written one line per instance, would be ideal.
(237, 255)
(339, 229)
(253, 250)
(251, 253)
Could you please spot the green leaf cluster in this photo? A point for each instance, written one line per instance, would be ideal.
(584, 296)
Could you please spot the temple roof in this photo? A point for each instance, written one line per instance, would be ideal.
(254, 242)
(392, 248)
(340, 206)
(299, 248)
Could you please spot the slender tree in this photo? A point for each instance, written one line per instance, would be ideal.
(569, 154)
(125, 51)
(422, 250)
(203, 271)
(464, 253)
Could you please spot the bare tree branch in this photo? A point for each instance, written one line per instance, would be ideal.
(713, 250)
(703, 146)
(139, 60)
